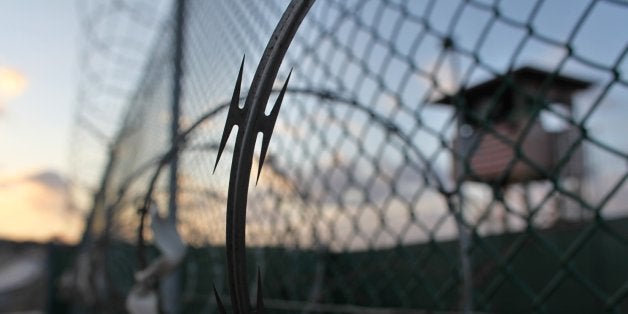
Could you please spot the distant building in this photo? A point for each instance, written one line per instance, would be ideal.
(503, 136)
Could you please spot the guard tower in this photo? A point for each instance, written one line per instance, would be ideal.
(502, 136)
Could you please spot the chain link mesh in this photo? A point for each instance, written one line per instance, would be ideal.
(449, 156)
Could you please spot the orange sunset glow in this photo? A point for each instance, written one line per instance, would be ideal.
(34, 208)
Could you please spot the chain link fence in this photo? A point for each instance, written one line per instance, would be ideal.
(429, 156)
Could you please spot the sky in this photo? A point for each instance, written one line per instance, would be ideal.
(597, 42)
(38, 82)
(39, 46)
(39, 71)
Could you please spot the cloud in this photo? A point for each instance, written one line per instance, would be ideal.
(49, 178)
(35, 208)
(12, 84)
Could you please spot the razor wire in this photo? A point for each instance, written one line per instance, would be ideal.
(372, 197)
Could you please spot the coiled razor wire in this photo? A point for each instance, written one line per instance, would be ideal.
(366, 201)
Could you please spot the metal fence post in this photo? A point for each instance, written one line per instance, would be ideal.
(464, 243)
(171, 285)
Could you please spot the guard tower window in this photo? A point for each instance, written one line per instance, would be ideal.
(553, 118)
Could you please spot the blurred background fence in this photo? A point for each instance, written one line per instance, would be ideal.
(429, 155)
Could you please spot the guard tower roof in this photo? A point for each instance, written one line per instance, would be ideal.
(524, 74)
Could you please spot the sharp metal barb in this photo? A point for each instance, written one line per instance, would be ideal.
(254, 122)
(266, 125)
(221, 307)
(234, 116)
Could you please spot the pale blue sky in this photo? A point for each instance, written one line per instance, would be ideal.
(39, 39)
